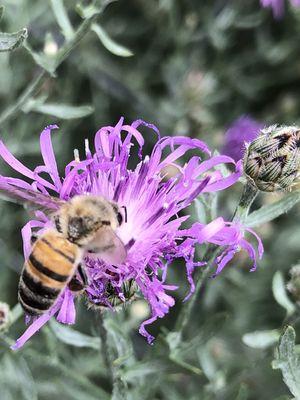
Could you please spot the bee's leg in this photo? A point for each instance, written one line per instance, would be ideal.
(83, 275)
(75, 285)
(33, 238)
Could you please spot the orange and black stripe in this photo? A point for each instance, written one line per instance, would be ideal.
(47, 271)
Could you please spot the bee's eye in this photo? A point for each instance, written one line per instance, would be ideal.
(120, 218)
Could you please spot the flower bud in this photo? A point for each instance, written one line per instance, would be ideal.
(4, 316)
(293, 286)
(272, 161)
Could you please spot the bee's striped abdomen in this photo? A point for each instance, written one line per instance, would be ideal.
(49, 268)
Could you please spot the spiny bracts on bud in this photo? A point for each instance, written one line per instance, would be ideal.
(293, 286)
(4, 316)
(272, 160)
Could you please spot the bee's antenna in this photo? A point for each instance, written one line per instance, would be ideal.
(125, 208)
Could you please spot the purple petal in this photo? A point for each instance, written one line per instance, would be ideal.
(144, 332)
(67, 313)
(36, 326)
(27, 234)
(48, 155)
(277, 7)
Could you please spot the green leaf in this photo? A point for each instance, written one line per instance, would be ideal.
(288, 361)
(261, 339)
(74, 392)
(243, 393)
(62, 18)
(178, 352)
(280, 294)
(210, 367)
(271, 211)
(16, 377)
(11, 41)
(119, 342)
(2, 8)
(41, 59)
(15, 313)
(110, 44)
(87, 12)
(141, 370)
(200, 211)
(248, 21)
(222, 167)
(63, 111)
(74, 338)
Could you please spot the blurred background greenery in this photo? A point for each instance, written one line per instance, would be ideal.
(191, 68)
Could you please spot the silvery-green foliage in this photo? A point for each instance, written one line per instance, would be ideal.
(288, 361)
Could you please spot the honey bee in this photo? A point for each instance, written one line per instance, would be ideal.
(83, 224)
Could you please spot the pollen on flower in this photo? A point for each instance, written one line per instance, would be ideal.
(87, 146)
(76, 155)
(153, 233)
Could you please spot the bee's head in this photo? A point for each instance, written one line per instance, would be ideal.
(83, 216)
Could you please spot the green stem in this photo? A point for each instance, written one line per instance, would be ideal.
(104, 342)
(38, 82)
(68, 372)
(30, 91)
(66, 49)
(201, 277)
(119, 387)
(249, 194)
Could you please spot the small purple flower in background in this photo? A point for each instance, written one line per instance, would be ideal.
(278, 6)
(243, 130)
(152, 233)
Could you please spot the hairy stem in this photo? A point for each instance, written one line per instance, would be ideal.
(104, 341)
(110, 353)
(40, 79)
(30, 91)
(248, 196)
(201, 277)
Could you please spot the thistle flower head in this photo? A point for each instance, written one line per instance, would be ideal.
(242, 131)
(293, 285)
(152, 234)
(278, 6)
(272, 160)
(4, 315)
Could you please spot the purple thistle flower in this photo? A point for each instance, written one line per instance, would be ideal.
(278, 6)
(243, 130)
(152, 233)
(230, 235)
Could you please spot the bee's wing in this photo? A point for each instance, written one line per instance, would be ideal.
(108, 246)
(30, 199)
